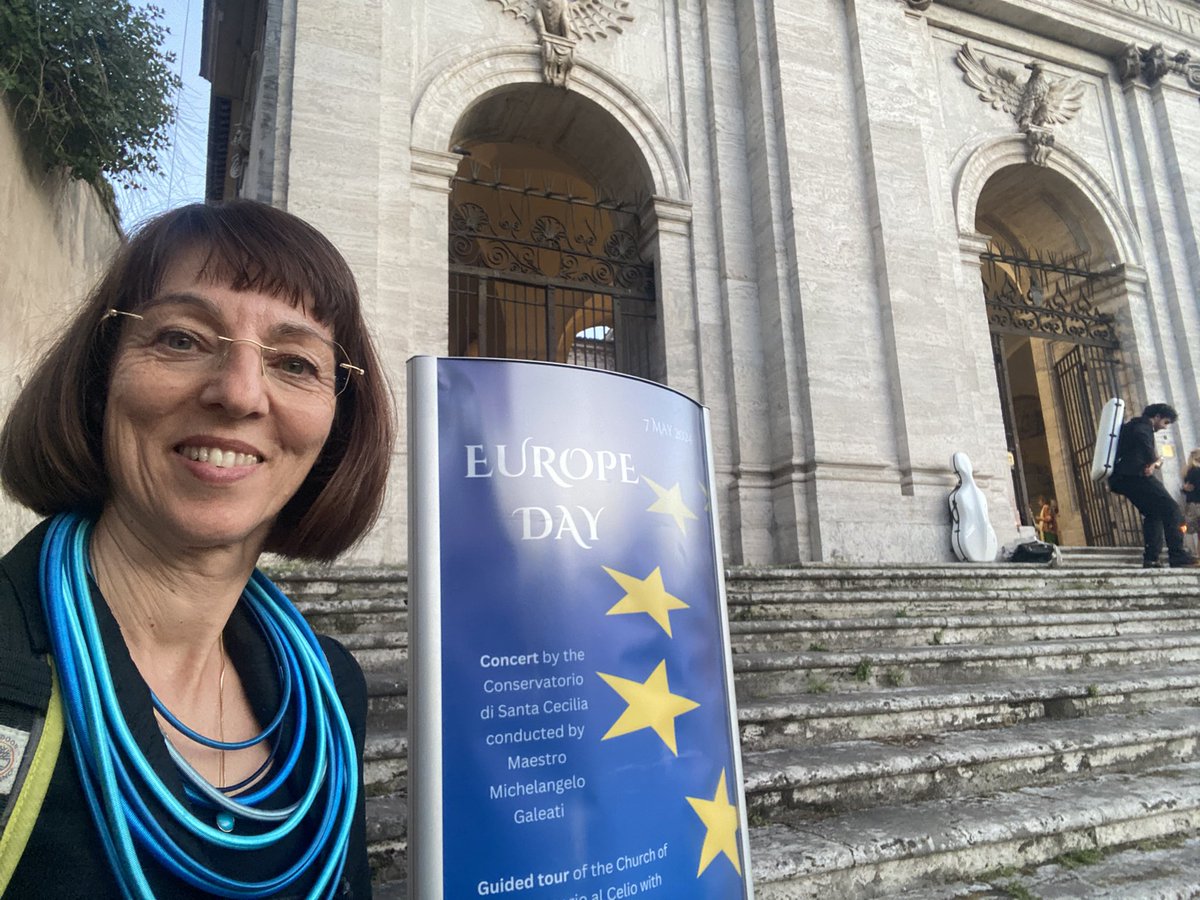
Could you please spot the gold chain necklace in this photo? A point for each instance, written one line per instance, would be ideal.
(221, 712)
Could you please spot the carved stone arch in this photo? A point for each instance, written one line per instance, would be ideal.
(457, 81)
(978, 163)
(1066, 332)
(451, 101)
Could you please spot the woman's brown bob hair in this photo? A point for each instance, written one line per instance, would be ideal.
(51, 447)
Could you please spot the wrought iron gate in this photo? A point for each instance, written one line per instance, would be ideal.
(1052, 300)
(1087, 378)
(546, 276)
(1011, 438)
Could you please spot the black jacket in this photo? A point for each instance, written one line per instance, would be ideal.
(65, 856)
(1135, 448)
(1192, 477)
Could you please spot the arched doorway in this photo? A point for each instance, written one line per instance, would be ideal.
(547, 255)
(1052, 286)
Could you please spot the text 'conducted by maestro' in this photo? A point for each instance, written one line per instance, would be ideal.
(534, 697)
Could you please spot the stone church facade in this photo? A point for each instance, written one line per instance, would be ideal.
(867, 234)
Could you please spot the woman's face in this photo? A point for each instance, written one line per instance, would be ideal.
(204, 448)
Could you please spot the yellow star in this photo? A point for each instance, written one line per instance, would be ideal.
(645, 595)
(651, 705)
(669, 503)
(720, 818)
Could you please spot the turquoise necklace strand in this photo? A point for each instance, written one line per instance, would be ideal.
(118, 780)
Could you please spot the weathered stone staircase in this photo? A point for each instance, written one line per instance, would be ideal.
(367, 610)
(933, 732)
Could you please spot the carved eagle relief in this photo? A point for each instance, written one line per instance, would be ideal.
(574, 19)
(1035, 102)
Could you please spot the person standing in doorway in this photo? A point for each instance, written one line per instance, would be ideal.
(1048, 520)
(1133, 476)
(1191, 496)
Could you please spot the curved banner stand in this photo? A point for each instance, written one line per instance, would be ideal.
(573, 732)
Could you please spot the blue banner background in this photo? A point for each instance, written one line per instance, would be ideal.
(631, 830)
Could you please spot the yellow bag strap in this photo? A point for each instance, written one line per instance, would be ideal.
(32, 790)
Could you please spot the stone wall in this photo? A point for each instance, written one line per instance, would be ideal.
(56, 235)
(815, 171)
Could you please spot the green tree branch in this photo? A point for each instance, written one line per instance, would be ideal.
(89, 83)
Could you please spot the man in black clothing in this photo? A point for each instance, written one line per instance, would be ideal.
(1133, 477)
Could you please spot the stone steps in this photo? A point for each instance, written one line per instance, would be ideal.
(386, 762)
(385, 648)
(349, 602)
(370, 617)
(968, 577)
(897, 603)
(900, 727)
(803, 720)
(829, 778)
(1164, 870)
(387, 700)
(381, 656)
(387, 839)
(391, 602)
(1130, 560)
(817, 778)
(881, 851)
(806, 720)
(365, 625)
(762, 674)
(910, 631)
(1051, 713)
(361, 642)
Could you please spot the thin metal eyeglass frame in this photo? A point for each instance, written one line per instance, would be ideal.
(351, 368)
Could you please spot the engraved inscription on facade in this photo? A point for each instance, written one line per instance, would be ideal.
(1163, 12)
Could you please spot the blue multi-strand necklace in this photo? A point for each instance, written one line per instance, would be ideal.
(118, 780)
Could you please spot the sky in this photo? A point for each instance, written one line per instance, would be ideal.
(183, 161)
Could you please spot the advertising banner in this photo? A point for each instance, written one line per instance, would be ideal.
(573, 731)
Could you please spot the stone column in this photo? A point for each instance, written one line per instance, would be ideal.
(1165, 184)
(667, 239)
(429, 260)
(934, 336)
(1005, 516)
(328, 173)
(1118, 295)
(735, 187)
(267, 167)
(774, 423)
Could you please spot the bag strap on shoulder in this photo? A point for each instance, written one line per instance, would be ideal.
(32, 719)
(31, 785)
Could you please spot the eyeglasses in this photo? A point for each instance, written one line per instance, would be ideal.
(302, 361)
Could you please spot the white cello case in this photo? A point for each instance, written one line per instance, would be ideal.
(1108, 429)
(972, 537)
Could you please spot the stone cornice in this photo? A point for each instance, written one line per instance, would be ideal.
(925, 4)
(1097, 21)
(433, 170)
(669, 210)
(1153, 64)
(666, 216)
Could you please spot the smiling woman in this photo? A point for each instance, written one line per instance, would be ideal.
(52, 458)
(218, 395)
